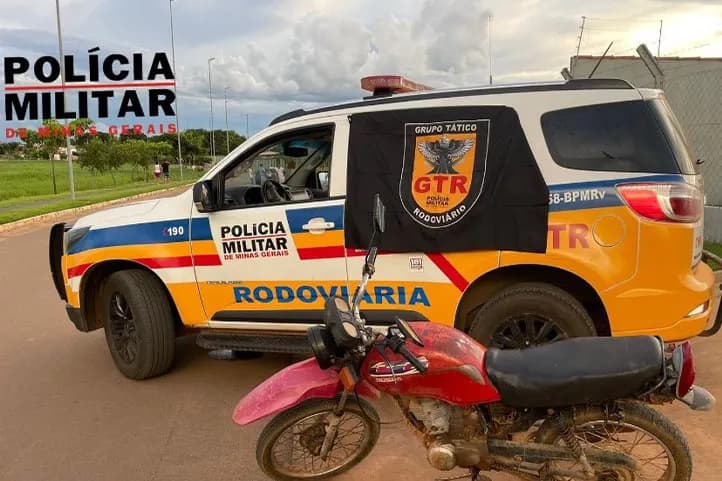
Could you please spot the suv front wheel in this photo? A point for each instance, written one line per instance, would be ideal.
(530, 314)
(138, 323)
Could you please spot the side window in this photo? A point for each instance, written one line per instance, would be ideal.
(619, 136)
(293, 167)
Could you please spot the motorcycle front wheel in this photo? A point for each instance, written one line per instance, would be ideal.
(289, 446)
(658, 446)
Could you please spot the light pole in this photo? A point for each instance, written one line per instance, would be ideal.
(246, 126)
(225, 97)
(62, 83)
(175, 91)
(210, 96)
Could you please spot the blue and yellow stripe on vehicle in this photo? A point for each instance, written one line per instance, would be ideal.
(156, 245)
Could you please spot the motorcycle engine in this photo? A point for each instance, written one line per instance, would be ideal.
(432, 413)
(454, 436)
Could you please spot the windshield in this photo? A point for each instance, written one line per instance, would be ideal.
(675, 136)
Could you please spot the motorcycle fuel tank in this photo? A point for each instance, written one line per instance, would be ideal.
(455, 368)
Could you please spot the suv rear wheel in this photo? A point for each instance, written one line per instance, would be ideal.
(530, 314)
(138, 323)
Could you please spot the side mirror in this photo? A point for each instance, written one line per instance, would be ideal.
(379, 214)
(323, 178)
(203, 196)
(379, 227)
(408, 331)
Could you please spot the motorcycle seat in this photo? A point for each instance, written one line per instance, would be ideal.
(576, 371)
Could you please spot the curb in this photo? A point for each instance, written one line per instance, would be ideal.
(77, 210)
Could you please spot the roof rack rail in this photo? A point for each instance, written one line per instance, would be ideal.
(574, 84)
(597, 83)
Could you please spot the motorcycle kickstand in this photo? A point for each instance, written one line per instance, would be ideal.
(333, 419)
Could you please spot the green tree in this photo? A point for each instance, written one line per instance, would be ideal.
(131, 136)
(51, 136)
(84, 125)
(33, 145)
(93, 156)
(192, 145)
(143, 153)
(11, 149)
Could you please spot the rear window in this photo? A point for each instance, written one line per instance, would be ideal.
(619, 136)
(675, 135)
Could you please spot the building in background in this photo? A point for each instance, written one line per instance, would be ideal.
(693, 87)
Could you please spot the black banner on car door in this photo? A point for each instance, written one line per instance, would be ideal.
(452, 179)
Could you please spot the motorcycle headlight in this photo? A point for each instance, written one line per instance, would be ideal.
(322, 345)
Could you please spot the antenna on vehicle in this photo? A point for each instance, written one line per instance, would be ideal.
(600, 60)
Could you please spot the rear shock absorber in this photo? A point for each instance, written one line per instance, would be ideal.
(566, 429)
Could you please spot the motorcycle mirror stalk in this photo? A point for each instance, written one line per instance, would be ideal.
(379, 227)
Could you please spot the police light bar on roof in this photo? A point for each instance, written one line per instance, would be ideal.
(391, 84)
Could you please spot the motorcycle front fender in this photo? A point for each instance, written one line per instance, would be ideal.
(290, 387)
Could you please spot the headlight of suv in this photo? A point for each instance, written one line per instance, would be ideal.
(73, 236)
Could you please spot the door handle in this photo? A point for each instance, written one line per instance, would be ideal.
(318, 224)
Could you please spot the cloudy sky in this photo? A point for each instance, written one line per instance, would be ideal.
(278, 55)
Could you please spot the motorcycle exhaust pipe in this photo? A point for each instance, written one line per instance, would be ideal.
(699, 399)
(510, 452)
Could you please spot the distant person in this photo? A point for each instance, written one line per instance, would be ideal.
(261, 175)
(157, 171)
(166, 171)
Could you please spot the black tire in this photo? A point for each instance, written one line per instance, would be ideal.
(278, 425)
(143, 344)
(542, 313)
(641, 416)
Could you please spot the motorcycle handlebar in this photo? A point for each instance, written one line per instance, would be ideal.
(415, 361)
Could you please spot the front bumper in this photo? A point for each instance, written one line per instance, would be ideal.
(77, 318)
(55, 251)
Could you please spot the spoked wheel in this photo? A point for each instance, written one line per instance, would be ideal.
(657, 445)
(123, 333)
(290, 446)
(527, 330)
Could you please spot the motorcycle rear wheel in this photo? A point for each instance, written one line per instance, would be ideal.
(288, 446)
(643, 433)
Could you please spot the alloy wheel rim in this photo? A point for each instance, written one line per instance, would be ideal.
(123, 330)
(526, 330)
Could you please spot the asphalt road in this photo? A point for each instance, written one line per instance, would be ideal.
(66, 413)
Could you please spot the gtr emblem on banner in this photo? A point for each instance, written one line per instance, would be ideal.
(443, 171)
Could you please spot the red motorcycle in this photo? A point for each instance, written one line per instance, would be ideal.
(574, 409)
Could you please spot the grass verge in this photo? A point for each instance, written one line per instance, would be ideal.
(716, 249)
(89, 197)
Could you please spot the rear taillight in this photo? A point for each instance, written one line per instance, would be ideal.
(683, 362)
(673, 202)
